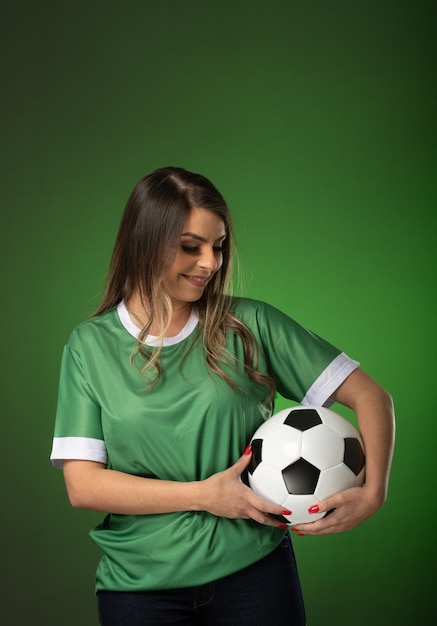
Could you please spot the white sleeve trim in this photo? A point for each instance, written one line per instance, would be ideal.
(80, 448)
(329, 380)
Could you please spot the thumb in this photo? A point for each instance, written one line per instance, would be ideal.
(244, 460)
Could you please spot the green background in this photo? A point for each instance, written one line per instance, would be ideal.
(317, 122)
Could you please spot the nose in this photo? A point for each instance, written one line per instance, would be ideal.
(209, 259)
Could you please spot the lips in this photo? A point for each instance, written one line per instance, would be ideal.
(197, 281)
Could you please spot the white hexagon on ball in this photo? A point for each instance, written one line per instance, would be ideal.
(341, 426)
(322, 446)
(268, 484)
(282, 446)
(333, 480)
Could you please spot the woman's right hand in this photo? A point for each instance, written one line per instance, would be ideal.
(225, 495)
(91, 485)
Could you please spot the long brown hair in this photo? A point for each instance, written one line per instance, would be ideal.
(145, 248)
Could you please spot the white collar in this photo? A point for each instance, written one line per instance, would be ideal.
(152, 340)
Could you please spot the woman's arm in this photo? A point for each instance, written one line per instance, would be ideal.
(374, 410)
(92, 486)
(373, 407)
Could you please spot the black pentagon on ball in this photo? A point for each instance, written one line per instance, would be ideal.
(256, 455)
(281, 519)
(303, 419)
(301, 477)
(353, 455)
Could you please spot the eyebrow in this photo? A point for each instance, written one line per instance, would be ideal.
(199, 238)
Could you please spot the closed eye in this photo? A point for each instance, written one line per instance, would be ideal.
(196, 249)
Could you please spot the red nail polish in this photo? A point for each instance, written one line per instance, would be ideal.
(300, 535)
(314, 509)
(282, 526)
(248, 450)
(286, 512)
(294, 529)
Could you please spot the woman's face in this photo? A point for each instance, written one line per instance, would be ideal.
(198, 258)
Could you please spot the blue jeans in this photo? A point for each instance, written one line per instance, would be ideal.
(265, 593)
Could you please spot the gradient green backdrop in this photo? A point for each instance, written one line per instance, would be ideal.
(316, 120)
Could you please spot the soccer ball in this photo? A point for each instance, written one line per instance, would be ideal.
(302, 455)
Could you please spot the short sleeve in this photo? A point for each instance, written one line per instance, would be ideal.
(78, 430)
(306, 368)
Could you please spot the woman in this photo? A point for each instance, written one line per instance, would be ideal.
(160, 392)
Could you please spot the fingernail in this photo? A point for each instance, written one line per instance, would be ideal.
(300, 535)
(314, 509)
(282, 526)
(286, 512)
(248, 450)
(295, 529)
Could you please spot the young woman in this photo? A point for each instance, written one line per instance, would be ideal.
(160, 393)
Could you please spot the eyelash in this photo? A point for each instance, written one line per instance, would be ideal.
(196, 249)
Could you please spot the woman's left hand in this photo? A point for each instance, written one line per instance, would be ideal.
(373, 407)
(349, 508)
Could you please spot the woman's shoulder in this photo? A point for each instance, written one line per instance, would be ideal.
(258, 313)
(249, 306)
(263, 316)
(93, 327)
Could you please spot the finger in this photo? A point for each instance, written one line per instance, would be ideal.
(325, 506)
(333, 522)
(273, 514)
(339, 499)
(244, 460)
(266, 519)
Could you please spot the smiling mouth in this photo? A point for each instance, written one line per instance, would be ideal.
(198, 281)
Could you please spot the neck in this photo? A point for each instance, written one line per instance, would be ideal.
(140, 315)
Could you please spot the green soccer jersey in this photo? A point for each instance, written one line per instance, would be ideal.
(190, 425)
